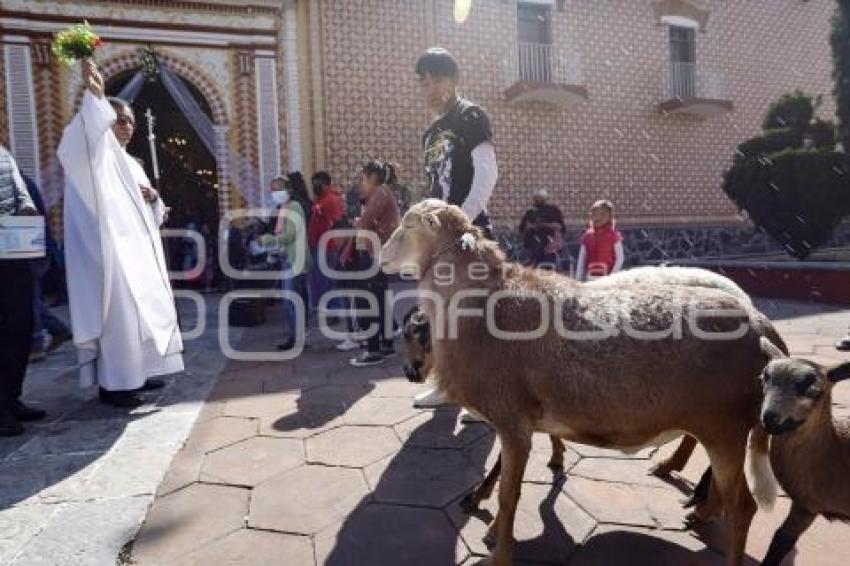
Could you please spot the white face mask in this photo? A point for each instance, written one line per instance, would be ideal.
(280, 197)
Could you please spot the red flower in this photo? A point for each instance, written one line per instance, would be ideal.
(98, 42)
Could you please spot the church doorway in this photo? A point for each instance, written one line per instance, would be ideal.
(188, 178)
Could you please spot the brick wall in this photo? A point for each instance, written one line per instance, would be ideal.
(372, 107)
(658, 169)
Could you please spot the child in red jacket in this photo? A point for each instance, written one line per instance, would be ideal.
(601, 250)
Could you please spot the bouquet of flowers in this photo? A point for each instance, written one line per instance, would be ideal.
(75, 43)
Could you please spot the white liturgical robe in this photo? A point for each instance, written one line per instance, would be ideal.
(122, 308)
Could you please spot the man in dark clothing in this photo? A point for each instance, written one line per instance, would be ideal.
(542, 228)
(460, 159)
(16, 313)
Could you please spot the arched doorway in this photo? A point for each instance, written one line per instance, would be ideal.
(188, 173)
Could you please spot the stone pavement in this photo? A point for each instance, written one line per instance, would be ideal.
(314, 462)
(76, 487)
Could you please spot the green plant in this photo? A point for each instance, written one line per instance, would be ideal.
(770, 141)
(797, 196)
(794, 110)
(822, 134)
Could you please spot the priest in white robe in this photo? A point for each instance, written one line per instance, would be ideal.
(122, 308)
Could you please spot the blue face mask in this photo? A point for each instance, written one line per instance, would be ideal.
(280, 197)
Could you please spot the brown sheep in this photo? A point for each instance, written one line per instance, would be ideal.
(417, 337)
(619, 368)
(809, 450)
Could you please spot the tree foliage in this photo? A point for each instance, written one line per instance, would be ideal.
(789, 179)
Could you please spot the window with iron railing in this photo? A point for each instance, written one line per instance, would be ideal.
(682, 76)
(535, 42)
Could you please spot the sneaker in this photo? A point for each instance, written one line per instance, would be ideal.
(9, 425)
(347, 345)
(367, 359)
(467, 417)
(27, 414)
(430, 399)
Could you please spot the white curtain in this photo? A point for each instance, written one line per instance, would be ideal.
(132, 89)
(190, 108)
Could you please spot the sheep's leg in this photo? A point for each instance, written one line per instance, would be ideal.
(484, 490)
(556, 463)
(797, 521)
(727, 464)
(677, 461)
(515, 450)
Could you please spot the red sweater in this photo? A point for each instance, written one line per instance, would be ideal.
(599, 246)
(327, 210)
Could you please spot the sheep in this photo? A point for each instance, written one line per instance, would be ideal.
(619, 368)
(809, 449)
(418, 350)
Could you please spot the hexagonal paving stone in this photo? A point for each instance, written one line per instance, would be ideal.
(354, 446)
(391, 535)
(416, 476)
(306, 421)
(380, 411)
(339, 396)
(219, 432)
(185, 468)
(644, 547)
(628, 504)
(252, 461)
(439, 429)
(263, 404)
(587, 451)
(634, 472)
(396, 387)
(188, 520)
(249, 547)
(548, 525)
(306, 499)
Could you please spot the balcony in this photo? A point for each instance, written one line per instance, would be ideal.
(539, 72)
(690, 89)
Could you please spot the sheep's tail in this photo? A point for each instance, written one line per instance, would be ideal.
(761, 478)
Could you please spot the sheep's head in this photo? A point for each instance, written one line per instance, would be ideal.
(794, 389)
(417, 345)
(424, 230)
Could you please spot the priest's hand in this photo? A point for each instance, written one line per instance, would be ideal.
(149, 194)
(92, 78)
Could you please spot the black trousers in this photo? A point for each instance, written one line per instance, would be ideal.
(16, 326)
(377, 286)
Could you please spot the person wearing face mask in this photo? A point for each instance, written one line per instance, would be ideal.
(291, 234)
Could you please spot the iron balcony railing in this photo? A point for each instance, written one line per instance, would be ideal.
(543, 63)
(688, 80)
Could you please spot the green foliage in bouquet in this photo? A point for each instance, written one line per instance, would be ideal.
(75, 43)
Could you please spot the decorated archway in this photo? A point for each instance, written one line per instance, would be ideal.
(131, 60)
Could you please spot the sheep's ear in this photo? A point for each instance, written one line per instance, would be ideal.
(839, 372)
(770, 349)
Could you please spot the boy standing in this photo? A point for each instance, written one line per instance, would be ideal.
(460, 159)
(601, 250)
